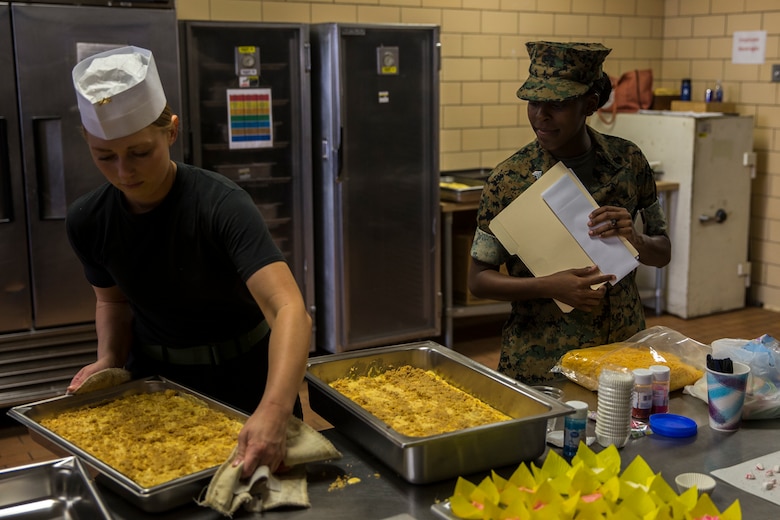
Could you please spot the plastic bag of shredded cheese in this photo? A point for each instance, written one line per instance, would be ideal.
(685, 357)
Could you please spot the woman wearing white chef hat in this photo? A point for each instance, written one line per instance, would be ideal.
(187, 278)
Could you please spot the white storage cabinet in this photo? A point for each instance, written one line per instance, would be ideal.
(711, 158)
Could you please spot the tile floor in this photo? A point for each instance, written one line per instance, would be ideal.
(477, 338)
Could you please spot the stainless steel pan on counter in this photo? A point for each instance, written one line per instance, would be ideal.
(59, 488)
(154, 499)
(422, 460)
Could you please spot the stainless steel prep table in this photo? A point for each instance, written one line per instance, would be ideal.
(381, 494)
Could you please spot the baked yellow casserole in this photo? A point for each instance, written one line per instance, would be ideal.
(151, 438)
(417, 402)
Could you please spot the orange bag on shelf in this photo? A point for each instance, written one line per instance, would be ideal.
(632, 92)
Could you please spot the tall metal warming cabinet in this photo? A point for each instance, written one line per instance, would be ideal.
(247, 92)
(376, 177)
(47, 308)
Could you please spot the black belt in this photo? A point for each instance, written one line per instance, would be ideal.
(211, 354)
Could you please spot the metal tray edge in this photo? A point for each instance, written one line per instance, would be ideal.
(443, 510)
(74, 463)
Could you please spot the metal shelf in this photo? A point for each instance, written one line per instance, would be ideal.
(483, 309)
(452, 311)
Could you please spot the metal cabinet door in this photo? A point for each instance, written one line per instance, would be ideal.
(15, 303)
(379, 196)
(278, 177)
(718, 270)
(50, 40)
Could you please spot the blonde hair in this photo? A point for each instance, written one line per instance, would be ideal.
(165, 120)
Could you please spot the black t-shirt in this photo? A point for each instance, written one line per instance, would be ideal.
(183, 265)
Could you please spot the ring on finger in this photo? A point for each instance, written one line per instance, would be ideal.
(613, 222)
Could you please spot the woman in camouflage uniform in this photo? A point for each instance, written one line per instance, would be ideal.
(565, 86)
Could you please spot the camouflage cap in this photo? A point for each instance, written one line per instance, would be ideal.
(561, 71)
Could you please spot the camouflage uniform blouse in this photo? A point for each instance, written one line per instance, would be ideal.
(537, 332)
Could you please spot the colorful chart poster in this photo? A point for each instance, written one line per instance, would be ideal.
(249, 118)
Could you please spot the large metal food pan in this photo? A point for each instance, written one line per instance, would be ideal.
(422, 460)
(153, 499)
(59, 488)
(472, 190)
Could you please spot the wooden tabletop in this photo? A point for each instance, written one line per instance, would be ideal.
(447, 206)
(667, 186)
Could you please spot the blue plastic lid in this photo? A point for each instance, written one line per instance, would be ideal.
(671, 425)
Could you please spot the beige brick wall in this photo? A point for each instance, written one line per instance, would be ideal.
(484, 61)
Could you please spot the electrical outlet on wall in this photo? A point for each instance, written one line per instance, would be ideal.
(776, 72)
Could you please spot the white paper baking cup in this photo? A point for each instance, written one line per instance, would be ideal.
(704, 483)
(606, 439)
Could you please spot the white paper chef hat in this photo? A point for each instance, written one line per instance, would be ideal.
(119, 92)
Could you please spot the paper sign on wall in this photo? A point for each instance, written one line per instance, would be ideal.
(249, 118)
(749, 47)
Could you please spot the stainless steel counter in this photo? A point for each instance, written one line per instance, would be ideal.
(380, 494)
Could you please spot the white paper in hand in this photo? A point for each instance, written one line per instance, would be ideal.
(572, 207)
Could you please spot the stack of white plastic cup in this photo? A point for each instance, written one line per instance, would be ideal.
(613, 416)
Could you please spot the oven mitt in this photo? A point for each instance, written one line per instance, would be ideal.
(263, 491)
(102, 379)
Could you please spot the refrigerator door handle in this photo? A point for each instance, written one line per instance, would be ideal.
(6, 205)
(336, 155)
(307, 57)
(49, 164)
(340, 156)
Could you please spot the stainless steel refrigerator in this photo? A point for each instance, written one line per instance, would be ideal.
(248, 117)
(46, 305)
(375, 93)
